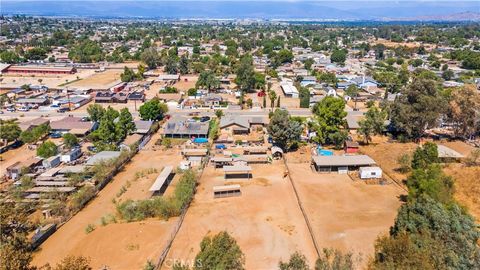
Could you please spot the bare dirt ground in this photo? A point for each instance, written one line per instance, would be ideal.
(117, 245)
(15, 155)
(265, 220)
(99, 80)
(186, 82)
(345, 215)
(51, 81)
(286, 102)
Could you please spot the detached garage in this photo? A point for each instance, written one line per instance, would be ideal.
(341, 164)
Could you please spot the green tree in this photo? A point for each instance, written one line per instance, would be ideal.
(150, 57)
(47, 149)
(192, 92)
(73, 262)
(329, 117)
(70, 140)
(297, 261)
(432, 182)
(171, 67)
(106, 136)
(448, 75)
(373, 124)
(308, 63)
(464, 111)
(283, 130)
(208, 80)
(153, 110)
(95, 112)
(9, 57)
(272, 96)
(416, 109)
(15, 252)
(352, 91)
(128, 75)
(125, 124)
(9, 130)
(283, 56)
(183, 65)
(245, 74)
(219, 113)
(86, 51)
(449, 225)
(332, 259)
(220, 252)
(425, 155)
(338, 56)
(304, 97)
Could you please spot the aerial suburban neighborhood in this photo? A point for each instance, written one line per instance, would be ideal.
(239, 144)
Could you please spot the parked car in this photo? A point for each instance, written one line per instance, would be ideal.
(24, 109)
(11, 109)
(62, 110)
(56, 135)
(204, 118)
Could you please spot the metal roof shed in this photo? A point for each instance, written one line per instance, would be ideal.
(237, 171)
(446, 153)
(340, 163)
(161, 179)
(102, 156)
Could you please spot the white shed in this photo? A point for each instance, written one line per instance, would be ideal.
(370, 172)
(71, 155)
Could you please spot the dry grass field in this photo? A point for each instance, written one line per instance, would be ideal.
(265, 220)
(344, 214)
(101, 80)
(117, 245)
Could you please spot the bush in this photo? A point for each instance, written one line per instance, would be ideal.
(47, 149)
(90, 228)
(82, 197)
(161, 207)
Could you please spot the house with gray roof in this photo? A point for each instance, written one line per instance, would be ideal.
(183, 128)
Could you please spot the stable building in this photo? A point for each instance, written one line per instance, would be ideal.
(162, 181)
(226, 191)
(38, 69)
(237, 171)
(341, 164)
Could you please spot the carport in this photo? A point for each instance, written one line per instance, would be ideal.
(237, 171)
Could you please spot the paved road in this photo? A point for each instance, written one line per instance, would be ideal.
(181, 112)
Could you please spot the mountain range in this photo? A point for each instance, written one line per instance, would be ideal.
(282, 10)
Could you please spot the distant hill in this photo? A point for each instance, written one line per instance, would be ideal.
(274, 9)
(461, 16)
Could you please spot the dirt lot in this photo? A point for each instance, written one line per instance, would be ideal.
(345, 215)
(51, 81)
(267, 229)
(121, 245)
(99, 80)
(286, 102)
(15, 155)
